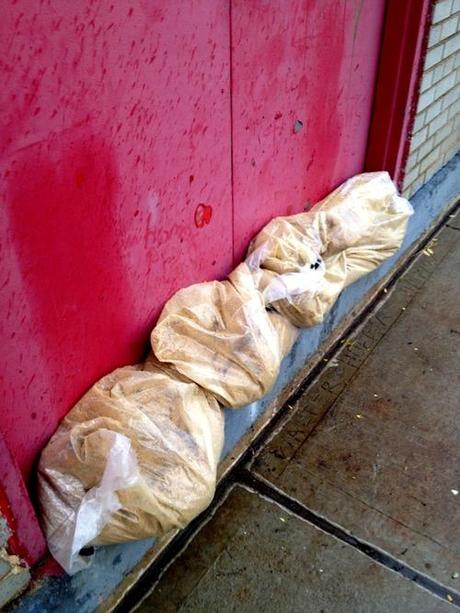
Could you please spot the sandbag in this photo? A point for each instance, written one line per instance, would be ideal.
(220, 335)
(306, 308)
(286, 332)
(136, 457)
(301, 263)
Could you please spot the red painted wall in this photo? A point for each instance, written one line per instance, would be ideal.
(25, 537)
(315, 63)
(115, 127)
(120, 124)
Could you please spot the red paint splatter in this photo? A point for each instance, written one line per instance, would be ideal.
(203, 214)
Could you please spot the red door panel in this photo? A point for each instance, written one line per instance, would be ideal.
(306, 61)
(117, 125)
(116, 188)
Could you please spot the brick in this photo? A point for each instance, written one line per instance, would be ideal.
(453, 111)
(425, 148)
(451, 46)
(406, 191)
(444, 86)
(427, 80)
(455, 6)
(447, 155)
(411, 176)
(437, 123)
(449, 27)
(453, 150)
(419, 121)
(455, 138)
(434, 36)
(419, 181)
(442, 133)
(412, 161)
(438, 72)
(433, 170)
(442, 10)
(450, 155)
(418, 138)
(425, 99)
(448, 65)
(436, 163)
(443, 154)
(433, 110)
(451, 142)
(429, 160)
(433, 56)
(451, 96)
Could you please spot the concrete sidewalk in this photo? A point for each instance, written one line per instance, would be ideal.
(354, 504)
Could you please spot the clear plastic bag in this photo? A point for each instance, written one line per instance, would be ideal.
(136, 457)
(285, 284)
(220, 335)
(301, 263)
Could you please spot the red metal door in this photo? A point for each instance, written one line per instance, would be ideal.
(116, 189)
(303, 77)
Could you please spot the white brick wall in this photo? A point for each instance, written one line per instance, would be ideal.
(436, 132)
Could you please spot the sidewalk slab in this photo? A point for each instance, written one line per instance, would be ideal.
(255, 556)
(376, 449)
